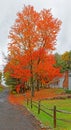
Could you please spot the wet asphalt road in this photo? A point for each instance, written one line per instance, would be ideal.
(14, 117)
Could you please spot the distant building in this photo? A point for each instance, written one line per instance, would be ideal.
(63, 82)
(67, 80)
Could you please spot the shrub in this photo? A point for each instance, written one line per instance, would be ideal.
(68, 91)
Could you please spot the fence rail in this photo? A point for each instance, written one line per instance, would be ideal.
(41, 107)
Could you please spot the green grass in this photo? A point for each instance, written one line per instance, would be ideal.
(59, 90)
(60, 105)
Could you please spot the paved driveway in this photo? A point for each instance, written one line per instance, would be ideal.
(14, 117)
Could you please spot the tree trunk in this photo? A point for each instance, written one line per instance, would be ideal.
(32, 84)
(32, 88)
(38, 85)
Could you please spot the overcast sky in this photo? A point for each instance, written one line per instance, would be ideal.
(60, 9)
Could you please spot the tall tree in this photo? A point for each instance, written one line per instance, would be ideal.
(32, 31)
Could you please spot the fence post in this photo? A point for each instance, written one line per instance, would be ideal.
(54, 116)
(38, 107)
(31, 102)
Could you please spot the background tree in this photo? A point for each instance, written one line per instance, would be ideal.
(60, 62)
(63, 60)
(66, 57)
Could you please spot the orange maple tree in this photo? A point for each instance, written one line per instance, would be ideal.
(46, 70)
(32, 38)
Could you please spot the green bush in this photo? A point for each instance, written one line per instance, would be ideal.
(1, 88)
(68, 91)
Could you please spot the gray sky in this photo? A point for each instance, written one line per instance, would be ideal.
(60, 9)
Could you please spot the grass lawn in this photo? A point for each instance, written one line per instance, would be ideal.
(60, 105)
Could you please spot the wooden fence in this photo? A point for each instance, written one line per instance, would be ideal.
(41, 107)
